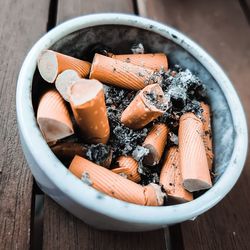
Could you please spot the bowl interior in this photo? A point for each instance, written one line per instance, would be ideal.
(120, 38)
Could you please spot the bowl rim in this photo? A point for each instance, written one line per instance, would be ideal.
(87, 196)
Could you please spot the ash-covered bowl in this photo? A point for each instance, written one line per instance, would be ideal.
(119, 32)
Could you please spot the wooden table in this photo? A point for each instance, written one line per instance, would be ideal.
(221, 27)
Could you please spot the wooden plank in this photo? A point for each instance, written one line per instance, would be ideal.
(70, 9)
(61, 229)
(222, 29)
(18, 33)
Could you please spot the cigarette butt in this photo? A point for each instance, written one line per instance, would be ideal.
(207, 138)
(154, 195)
(64, 80)
(51, 63)
(89, 109)
(155, 142)
(128, 166)
(53, 117)
(68, 150)
(142, 110)
(115, 185)
(193, 160)
(154, 61)
(121, 74)
(171, 178)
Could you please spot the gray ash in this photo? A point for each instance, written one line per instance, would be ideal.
(86, 178)
(123, 140)
(156, 100)
(137, 48)
(120, 98)
(149, 175)
(185, 82)
(139, 153)
(185, 91)
(144, 170)
(156, 77)
(178, 97)
(173, 138)
(98, 153)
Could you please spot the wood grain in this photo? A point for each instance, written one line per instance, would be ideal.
(18, 33)
(70, 9)
(222, 29)
(61, 229)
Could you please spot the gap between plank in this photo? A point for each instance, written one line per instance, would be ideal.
(37, 227)
(176, 240)
(37, 203)
(135, 7)
(246, 9)
(36, 220)
(52, 17)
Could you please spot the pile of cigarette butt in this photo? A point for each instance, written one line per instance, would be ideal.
(128, 125)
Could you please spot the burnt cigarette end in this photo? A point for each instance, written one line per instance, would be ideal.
(148, 105)
(100, 153)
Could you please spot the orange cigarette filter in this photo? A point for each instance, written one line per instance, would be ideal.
(128, 166)
(53, 117)
(115, 185)
(89, 109)
(193, 160)
(121, 74)
(142, 110)
(51, 63)
(154, 61)
(64, 80)
(171, 178)
(207, 138)
(155, 142)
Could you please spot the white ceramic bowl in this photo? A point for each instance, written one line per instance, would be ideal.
(118, 30)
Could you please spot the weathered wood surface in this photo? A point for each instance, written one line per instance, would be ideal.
(22, 23)
(70, 9)
(64, 231)
(222, 29)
